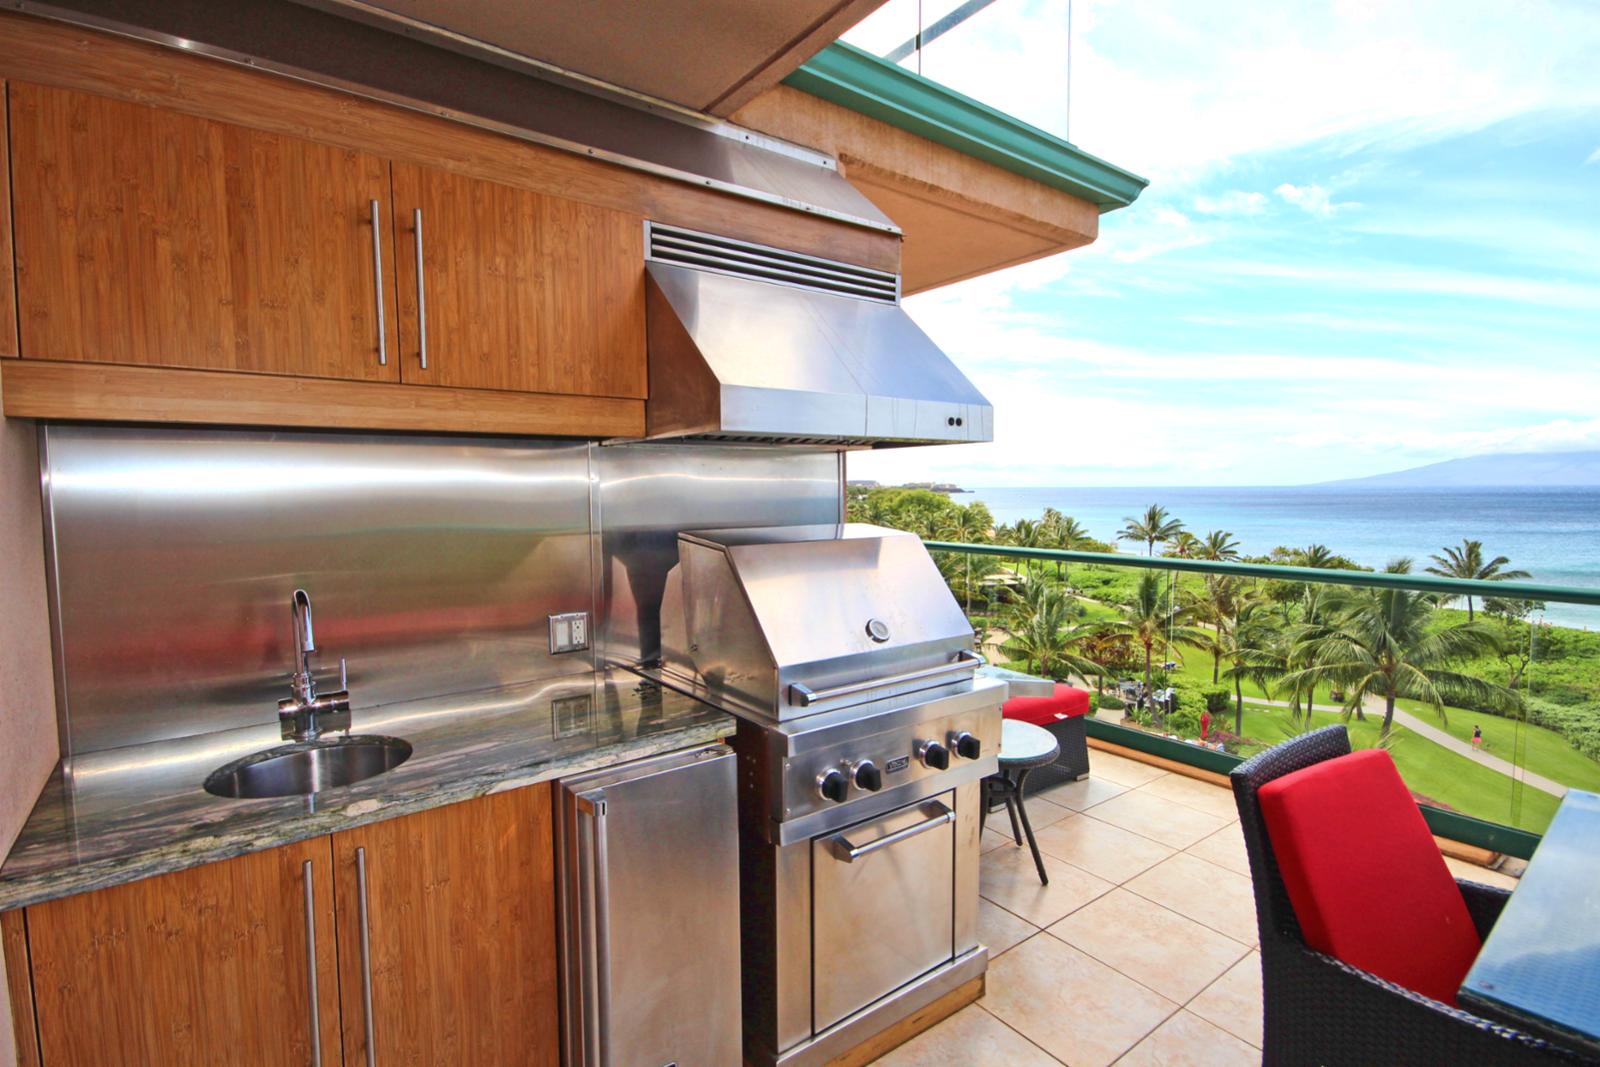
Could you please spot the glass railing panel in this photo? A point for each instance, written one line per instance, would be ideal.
(1234, 663)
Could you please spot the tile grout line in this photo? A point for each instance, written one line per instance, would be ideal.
(1047, 1053)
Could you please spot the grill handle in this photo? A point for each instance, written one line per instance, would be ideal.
(805, 696)
(855, 852)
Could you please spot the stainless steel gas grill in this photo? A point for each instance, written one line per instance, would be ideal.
(863, 735)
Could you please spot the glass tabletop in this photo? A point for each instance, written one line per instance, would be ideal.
(1025, 743)
(1539, 968)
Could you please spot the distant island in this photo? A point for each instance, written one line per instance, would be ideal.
(933, 487)
(1506, 469)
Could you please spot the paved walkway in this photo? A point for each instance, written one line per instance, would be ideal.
(1454, 744)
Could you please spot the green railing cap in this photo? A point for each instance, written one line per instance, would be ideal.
(1426, 583)
(852, 78)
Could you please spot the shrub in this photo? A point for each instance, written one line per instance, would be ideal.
(1579, 724)
(1218, 698)
(1184, 718)
(1094, 703)
(1111, 703)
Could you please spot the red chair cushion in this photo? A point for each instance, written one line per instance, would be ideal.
(1067, 702)
(1365, 876)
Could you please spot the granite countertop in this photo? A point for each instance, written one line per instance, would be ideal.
(116, 816)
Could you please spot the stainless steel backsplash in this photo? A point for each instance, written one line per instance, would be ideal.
(431, 562)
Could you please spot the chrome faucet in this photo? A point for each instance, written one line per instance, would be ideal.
(303, 715)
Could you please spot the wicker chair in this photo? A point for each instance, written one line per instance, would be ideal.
(1318, 1010)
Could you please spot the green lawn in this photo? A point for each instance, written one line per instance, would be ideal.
(1536, 748)
(1428, 768)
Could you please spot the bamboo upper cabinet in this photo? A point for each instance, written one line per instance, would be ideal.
(447, 935)
(231, 962)
(510, 288)
(151, 237)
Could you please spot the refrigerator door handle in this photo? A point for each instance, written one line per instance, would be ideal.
(595, 906)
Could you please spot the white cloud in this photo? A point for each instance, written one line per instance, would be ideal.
(1172, 88)
(1594, 157)
(1313, 198)
(1232, 202)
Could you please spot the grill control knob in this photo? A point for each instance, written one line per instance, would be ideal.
(934, 755)
(868, 776)
(834, 786)
(968, 746)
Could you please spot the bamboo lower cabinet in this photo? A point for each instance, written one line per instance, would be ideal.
(447, 935)
(427, 939)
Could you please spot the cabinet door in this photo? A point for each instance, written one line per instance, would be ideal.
(150, 237)
(519, 290)
(210, 965)
(447, 934)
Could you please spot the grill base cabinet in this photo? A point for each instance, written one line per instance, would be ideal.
(431, 935)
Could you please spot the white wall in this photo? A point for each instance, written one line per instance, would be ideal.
(27, 693)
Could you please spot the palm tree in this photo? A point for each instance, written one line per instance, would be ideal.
(1155, 525)
(1467, 562)
(1219, 546)
(1150, 619)
(1250, 649)
(1378, 643)
(970, 525)
(1043, 631)
(1062, 532)
(1184, 545)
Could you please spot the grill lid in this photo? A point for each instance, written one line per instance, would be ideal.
(790, 620)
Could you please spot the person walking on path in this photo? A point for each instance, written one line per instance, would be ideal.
(1477, 738)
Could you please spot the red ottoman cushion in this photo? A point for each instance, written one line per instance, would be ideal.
(1364, 875)
(1066, 702)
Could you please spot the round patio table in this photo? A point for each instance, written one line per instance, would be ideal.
(1023, 746)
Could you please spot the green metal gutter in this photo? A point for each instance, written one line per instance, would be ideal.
(852, 78)
(1426, 583)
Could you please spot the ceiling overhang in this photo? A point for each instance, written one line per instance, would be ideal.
(709, 56)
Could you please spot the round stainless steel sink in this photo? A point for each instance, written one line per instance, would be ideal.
(308, 767)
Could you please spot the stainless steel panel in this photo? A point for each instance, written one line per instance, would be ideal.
(837, 1041)
(968, 799)
(775, 618)
(656, 973)
(645, 494)
(881, 917)
(735, 356)
(432, 562)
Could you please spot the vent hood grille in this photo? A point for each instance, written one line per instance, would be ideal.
(724, 255)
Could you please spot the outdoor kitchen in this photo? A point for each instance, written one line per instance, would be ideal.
(440, 635)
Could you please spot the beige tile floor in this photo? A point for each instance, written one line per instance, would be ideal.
(1142, 950)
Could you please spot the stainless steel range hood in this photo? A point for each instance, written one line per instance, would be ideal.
(749, 343)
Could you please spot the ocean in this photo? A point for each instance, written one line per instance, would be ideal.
(1552, 533)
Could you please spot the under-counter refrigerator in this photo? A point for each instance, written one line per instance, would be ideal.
(649, 869)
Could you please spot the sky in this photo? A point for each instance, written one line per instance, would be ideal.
(1371, 240)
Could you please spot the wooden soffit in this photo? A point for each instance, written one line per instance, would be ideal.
(961, 216)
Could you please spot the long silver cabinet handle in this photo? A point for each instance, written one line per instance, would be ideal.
(311, 963)
(855, 852)
(366, 953)
(805, 696)
(422, 293)
(597, 945)
(377, 283)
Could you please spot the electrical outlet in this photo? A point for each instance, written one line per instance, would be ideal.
(569, 632)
